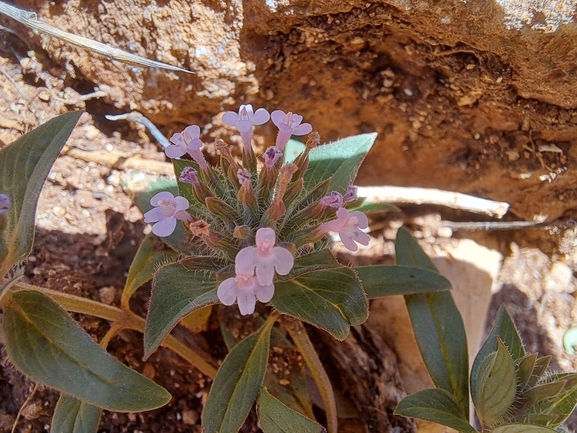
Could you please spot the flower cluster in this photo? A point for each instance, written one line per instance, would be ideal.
(236, 212)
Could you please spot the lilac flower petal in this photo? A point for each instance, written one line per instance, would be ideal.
(173, 151)
(260, 117)
(163, 195)
(295, 119)
(193, 131)
(277, 117)
(193, 146)
(245, 261)
(303, 129)
(363, 221)
(284, 260)
(244, 125)
(332, 226)
(348, 242)
(246, 303)
(177, 139)
(265, 234)
(154, 215)
(182, 215)
(226, 291)
(229, 118)
(264, 293)
(181, 203)
(265, 272)
(164, 227)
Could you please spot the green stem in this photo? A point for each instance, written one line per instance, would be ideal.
(301, 339)
(121, 319)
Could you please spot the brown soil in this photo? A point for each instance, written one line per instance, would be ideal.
(460, 114)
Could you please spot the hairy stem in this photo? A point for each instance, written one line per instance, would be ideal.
(301, 339)
(120, 319)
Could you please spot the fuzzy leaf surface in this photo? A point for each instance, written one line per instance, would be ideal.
(330, 299)
(75, 416)
(494, 392)
(435, 405)
(145, 263)
(438, 327)
(380, 281)
(24, 165)
(237, 383)
(503, 329)
(340, 160)
(276, 417)
(45, 343)
(564, 402)
(176, 292)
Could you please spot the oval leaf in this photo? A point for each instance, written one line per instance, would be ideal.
(176, 292)
(147, 260)
(45, 343)
(380, 281)
(237, 383)
(340, 160)
(24, 165)
(503, 329)
(275, 417)
(495, 390)
(435, 405)
(438, 327)
(331, 299)
(75, 416)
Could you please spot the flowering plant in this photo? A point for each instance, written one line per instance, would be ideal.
(255, 233)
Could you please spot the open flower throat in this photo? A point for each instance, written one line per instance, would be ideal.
(253, 218)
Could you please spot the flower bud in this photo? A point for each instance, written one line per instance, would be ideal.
(242, 232)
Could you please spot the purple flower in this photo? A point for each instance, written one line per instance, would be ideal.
(288, 124)
(351, 194)
(167, 209)
(348, 225)
(5, 204)
(271, 156)
(335, 199)
(187, 142)
(246, 289)
(244, 121)
(265, 258)
(243, 176)
(189, 175)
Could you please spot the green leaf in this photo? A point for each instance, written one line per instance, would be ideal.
(563, 403)
(176, 292)
(331, 299)
(75, 416)
(45, 343)
(340, 160)
(237, 383)
(538, 370)
(494, 392)
(522, 428)
(524, 371)
(275, 417)
(147, 260)
(438, 327)
(370, 208)
(24, 165)
(293, 149)
(505, 329)
(435, 405)
(381, 281)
